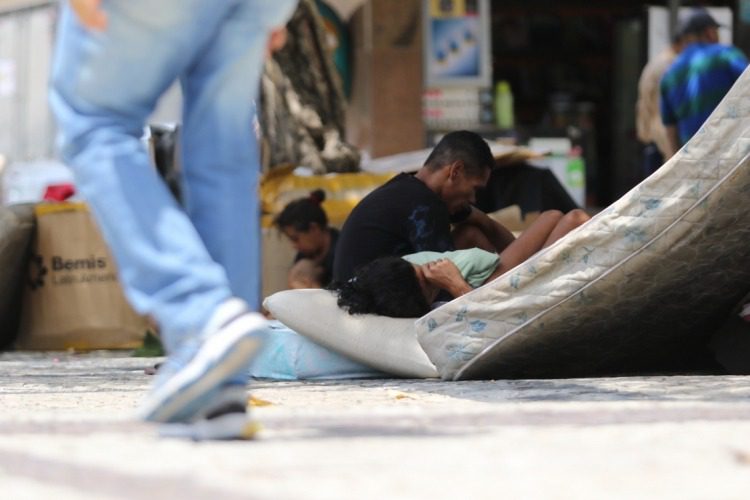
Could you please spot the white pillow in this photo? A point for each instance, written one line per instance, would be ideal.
(386, 344)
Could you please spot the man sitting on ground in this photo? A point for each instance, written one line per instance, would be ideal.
(414, 213)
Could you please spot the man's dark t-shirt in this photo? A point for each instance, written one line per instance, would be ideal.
(400, 217)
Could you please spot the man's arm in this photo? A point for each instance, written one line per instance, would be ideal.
(496, 234)
(673, 140)
(644, 112)
(669, 120)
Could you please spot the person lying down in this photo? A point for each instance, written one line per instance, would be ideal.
(406, 287)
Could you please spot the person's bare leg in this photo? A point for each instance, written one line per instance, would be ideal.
(570, 221)
(529, 242)
(549, 227)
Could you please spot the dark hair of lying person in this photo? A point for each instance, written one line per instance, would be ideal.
(387, 286)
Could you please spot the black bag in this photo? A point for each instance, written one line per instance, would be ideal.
(16, 229)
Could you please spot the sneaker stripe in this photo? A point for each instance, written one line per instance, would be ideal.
(229, 320)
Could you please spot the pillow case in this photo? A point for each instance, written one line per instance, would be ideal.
(386, 344)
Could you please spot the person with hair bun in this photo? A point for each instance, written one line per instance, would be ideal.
(305, 223)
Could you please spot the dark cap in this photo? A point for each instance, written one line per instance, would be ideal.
(698, 21)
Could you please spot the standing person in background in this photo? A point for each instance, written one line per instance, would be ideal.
(305, 224)
(648, 122)
(195, 271)
(698, 79)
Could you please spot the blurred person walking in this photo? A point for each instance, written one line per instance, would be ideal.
(196, 271)
(648, 122)
(698, 80)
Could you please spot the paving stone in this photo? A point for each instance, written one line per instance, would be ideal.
(66, 431)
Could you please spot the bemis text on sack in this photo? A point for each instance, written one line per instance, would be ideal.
(92, 262)
(68, 271)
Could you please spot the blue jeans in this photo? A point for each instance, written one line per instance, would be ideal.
(175, 264)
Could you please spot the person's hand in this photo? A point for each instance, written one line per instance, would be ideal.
(90, 13)
(444, 274)
(276, 40)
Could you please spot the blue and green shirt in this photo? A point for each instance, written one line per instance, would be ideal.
(697, 81)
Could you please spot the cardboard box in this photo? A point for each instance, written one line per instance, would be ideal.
(385, 112)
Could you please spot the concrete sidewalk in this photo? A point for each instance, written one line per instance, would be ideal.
(66, 432)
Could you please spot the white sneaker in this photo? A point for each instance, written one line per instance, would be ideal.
(190, 378)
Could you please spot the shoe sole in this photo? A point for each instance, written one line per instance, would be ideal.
(223, 428)
(222, 355)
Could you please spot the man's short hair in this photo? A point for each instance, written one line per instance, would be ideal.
(464, 146)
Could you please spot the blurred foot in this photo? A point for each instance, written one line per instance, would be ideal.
(191, 377)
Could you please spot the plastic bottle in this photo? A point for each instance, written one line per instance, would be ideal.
(574, 171)
(503, 105)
